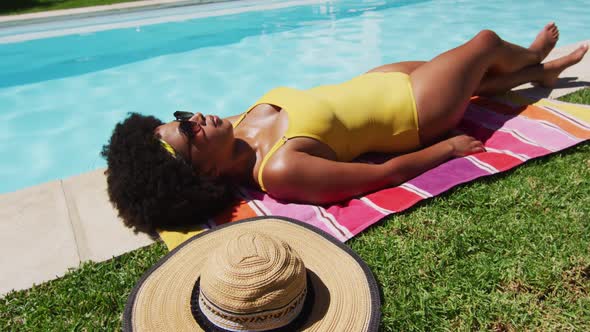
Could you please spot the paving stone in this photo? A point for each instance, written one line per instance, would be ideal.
(36, 237)
(11, 20)
(100, 234)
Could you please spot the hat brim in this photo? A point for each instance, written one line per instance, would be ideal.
(346, 294)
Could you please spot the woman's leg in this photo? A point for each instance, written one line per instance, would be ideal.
(405, 67)
(545, 74)
(543, 44)
(443, 86)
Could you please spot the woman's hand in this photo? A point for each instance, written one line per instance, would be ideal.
(464, 145)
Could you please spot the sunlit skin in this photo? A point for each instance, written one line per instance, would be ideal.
(307, 170)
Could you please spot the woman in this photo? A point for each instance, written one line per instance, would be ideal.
(299, 145)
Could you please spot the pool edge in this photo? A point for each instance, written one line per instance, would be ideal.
(7, 21)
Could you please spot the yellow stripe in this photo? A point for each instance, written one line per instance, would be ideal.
(168, 147)
(579, 111)
(173, 239)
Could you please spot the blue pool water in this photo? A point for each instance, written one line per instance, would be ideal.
(60, 97)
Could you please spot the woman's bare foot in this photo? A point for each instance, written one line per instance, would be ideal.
(545, 40)
(552, 69)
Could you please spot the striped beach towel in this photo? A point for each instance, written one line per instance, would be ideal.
(514, 129)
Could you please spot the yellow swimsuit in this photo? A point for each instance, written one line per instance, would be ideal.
(374, 112)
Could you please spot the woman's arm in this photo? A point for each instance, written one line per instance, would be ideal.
(410, 165)
(310, 179)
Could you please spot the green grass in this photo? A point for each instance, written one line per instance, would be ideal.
(508, 252)
(90, 298)
(11, 7)
(511, 252)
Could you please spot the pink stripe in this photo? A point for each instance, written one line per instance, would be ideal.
(447, 175)
(302, 212)
(500, 161)
(501, 140)
(542, 134)
(355, 215)
(396, 199)
(505, 141)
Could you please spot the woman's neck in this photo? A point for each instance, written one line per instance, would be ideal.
(242, 162)
(253, 137)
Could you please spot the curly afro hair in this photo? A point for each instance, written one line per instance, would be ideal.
(149, 187)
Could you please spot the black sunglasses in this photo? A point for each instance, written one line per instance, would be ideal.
(186, 128)
(182, 115)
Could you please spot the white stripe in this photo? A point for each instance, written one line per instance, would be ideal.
(519, 156)
(331, 217)
(482, 165)
(259, 208)
(416, 190)
(515, 133)
(376, 207)
(335, 231)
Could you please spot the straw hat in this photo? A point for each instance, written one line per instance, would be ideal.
(258, 274)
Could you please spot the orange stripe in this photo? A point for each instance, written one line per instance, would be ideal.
(538, 113)
(235, 212)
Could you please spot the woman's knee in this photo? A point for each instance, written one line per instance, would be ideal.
(487, 39)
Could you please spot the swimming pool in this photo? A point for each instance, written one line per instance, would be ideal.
(60, 97)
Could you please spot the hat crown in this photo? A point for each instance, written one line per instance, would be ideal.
(251, 273)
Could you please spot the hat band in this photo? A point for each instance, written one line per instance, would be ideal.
(168, 147)
(258, 321)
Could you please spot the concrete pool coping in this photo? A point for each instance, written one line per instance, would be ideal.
(52, 227)
(19, 28)
(10, 20)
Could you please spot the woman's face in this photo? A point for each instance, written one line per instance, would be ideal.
(205, 141)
